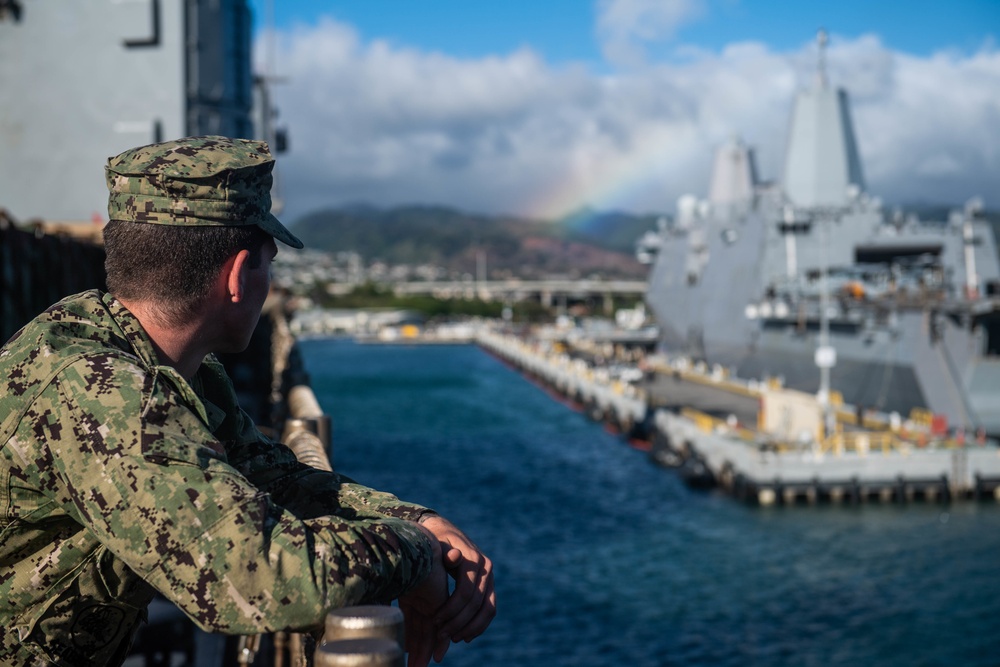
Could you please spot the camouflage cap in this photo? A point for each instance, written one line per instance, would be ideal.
(196, 181)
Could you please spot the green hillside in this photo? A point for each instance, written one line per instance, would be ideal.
(583, 245)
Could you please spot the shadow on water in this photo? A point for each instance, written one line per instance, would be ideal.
(603, 558)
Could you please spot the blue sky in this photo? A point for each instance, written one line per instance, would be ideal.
(544, 107)
(563, 30)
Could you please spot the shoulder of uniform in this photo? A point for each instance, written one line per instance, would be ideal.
(104, 367)
(103, 376)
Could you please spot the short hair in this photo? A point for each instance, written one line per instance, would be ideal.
(172, 267)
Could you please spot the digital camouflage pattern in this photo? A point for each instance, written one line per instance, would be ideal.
(118, 477)
(198, 181)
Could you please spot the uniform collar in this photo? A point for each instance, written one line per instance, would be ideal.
(142, 346)
(132, 331)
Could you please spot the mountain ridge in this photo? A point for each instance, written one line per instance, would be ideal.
(584, 244)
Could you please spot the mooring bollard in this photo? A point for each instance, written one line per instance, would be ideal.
(362, 636)
(365, 652)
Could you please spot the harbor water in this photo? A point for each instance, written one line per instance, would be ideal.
(603, 558)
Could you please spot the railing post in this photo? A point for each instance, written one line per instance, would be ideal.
(369, 652)
(364, 621)
(363, 636)
(307, 430)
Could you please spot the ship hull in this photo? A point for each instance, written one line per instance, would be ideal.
(886, 371)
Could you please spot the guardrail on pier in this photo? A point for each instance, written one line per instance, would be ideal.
(601, 397)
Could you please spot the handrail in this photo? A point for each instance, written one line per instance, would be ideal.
(307, 432)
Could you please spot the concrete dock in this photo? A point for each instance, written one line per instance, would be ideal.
(754, 469)
(761, 443)
(602, 396)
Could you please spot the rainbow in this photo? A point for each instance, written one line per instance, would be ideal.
(616, 182)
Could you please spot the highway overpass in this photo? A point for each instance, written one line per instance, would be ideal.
(548, 292)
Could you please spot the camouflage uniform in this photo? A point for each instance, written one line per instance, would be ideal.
(119, 478)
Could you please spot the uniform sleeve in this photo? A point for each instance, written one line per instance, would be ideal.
(273, 467)
(144, 473)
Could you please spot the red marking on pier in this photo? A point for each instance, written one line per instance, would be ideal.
(641, 445)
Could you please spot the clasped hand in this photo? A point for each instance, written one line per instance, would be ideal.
(434, 618)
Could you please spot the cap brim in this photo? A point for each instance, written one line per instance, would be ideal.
(271, 225)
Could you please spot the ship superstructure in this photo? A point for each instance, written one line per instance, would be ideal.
(812, 282)
(85, 80)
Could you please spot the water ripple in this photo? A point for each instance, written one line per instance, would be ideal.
(604, 559)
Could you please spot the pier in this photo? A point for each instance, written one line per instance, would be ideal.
(760, 471)
(601, 396)
(759, 442)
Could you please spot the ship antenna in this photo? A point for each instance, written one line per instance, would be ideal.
(821, 41)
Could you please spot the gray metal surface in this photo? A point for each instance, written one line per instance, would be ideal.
(82, 81)
(757, 283)
(673, 393)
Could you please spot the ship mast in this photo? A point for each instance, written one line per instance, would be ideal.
(821, 41)
(825, 355)
(972, 208)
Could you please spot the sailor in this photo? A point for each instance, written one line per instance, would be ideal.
(127, 466)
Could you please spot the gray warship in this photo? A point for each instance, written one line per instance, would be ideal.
(812, 281)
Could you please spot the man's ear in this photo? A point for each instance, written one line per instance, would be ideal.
(235, 271)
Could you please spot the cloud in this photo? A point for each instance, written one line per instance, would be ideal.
(624, 25)
(928, 136)
(381, 123)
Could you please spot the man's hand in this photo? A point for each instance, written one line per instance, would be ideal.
(472, 606)
(419, 606)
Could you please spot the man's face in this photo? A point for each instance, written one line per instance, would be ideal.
(256, 288)
(259, 283)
